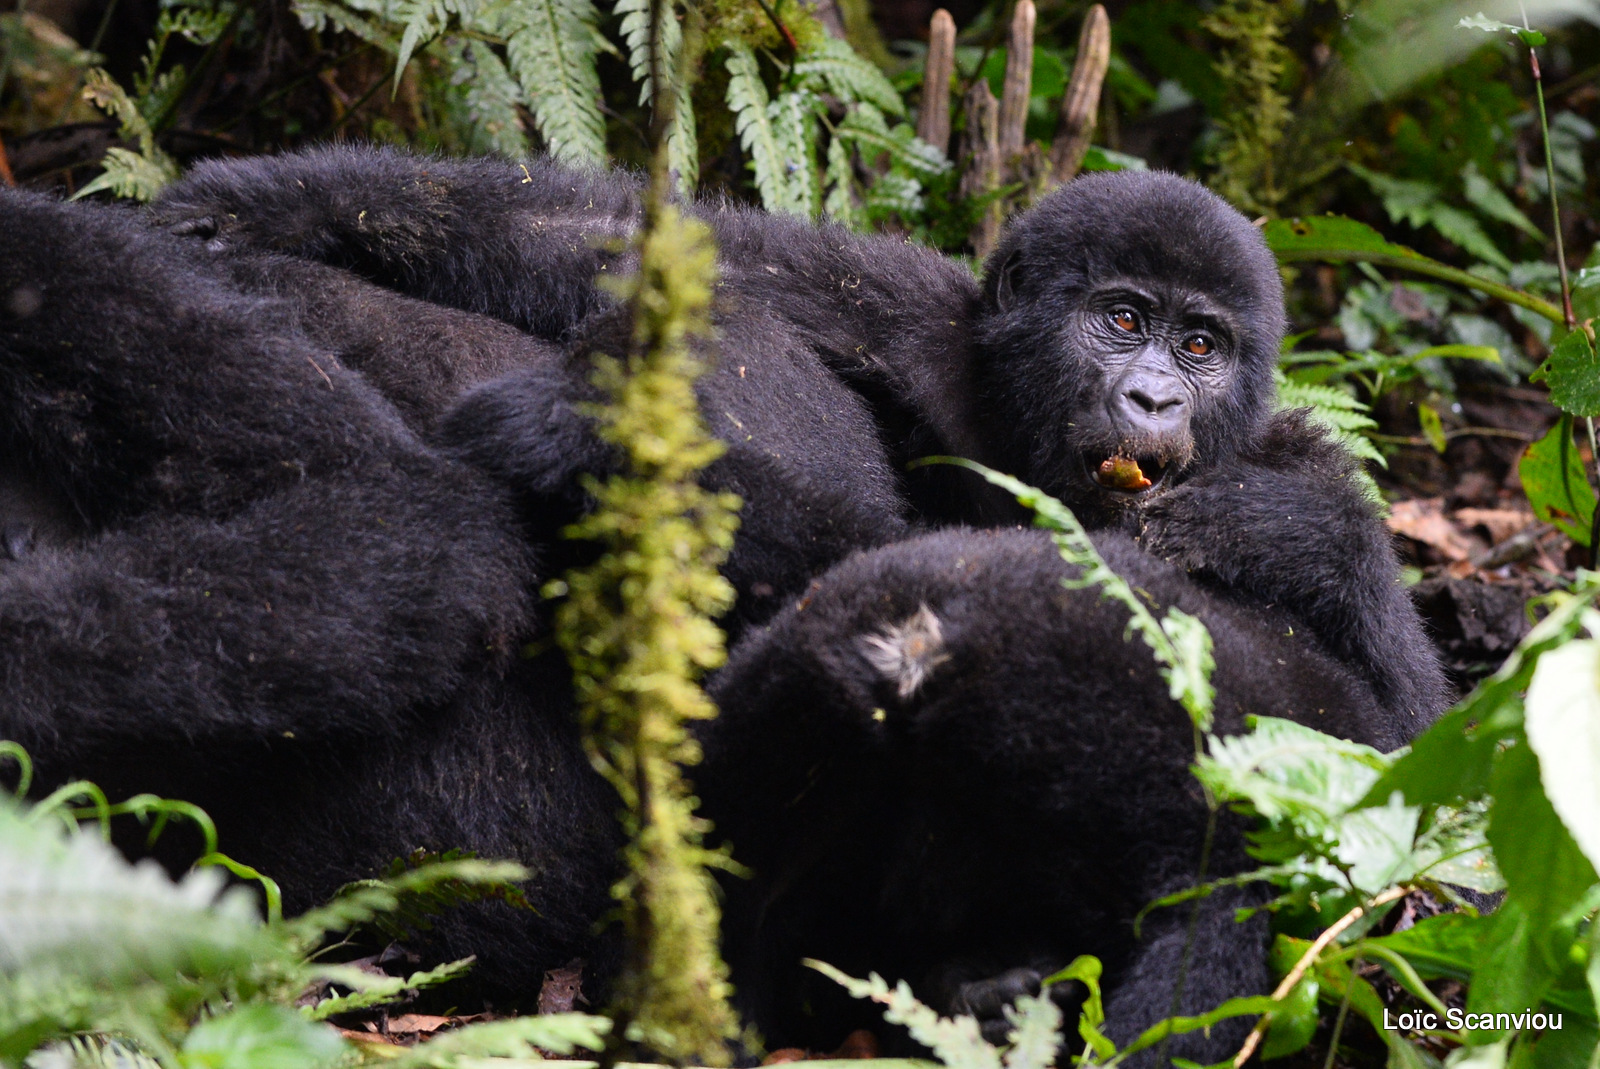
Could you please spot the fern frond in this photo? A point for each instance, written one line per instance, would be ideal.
(748, 100)
(368, 990)
(516, 1037)
(897, 194)
(836, 67)
(552, 53)
(351, 18)
(423, 21)
(683, 149)
(491, 98)
(839, 204)
(870, 131)
(139, 175)
(1344, 417)
(794, 122)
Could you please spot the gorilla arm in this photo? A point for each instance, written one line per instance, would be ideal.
(1285, 521)
(520, 243)
(325, 612)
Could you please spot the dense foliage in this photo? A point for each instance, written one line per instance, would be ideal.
(1424, 174)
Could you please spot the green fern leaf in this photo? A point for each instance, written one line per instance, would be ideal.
(894, 194)
(683, 150)
(794, 122)
(839, 204)
(747, 99)
(424, 20)
(491, 98)
(837, 68)
(552, 54)
(1344, 418)
(869, 130)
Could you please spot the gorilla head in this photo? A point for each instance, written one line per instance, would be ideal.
(1129, 317)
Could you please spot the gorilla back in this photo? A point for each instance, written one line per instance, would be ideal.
(944, 765)
(232, 575)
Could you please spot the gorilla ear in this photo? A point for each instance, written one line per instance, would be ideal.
(1008, 280)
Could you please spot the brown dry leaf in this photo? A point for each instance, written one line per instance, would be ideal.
(1423, 519)
(786, 1054)
(1500, 523)
(419, 1022)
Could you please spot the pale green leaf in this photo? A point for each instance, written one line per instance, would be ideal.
(1563, 724)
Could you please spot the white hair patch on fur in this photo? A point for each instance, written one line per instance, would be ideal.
(906, 653)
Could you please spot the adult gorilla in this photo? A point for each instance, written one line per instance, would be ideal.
(1124, 335)
(232, 574)
(944, 765)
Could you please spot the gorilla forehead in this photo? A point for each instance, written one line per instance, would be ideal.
(1147, 225)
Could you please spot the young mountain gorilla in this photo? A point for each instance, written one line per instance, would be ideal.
(1118, 354)
(945, 766)
(231, 574)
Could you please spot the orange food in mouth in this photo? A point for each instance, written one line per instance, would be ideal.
(1121, 473)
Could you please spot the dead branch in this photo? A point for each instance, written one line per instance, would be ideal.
(933, 124)
(1081, 103)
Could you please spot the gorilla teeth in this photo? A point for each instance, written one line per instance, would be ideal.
(906, 653)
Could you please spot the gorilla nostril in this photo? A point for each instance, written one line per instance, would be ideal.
(1153, 402)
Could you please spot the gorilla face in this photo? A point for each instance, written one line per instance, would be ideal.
(1128, 338)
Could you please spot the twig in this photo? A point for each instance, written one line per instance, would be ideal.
(1514, 548)
(1081, 104)
(5, 167)
(1018, 84)
(933, 124)
(1550, 180)
(1306, 961)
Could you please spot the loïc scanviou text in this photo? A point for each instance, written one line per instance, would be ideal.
(1460, 1021)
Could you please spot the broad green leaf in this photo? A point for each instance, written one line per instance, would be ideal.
(1488, 199)
(1488, 1056)
(1557, 486)
(1480, 21)
(1546, 874)
(261, 1036)
(1295, 1020)
(1573, 372)
(1336, 239)
(1444, 946)
(1563, 725)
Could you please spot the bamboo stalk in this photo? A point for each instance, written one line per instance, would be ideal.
(1081, 103)
(933, 124)
(1018, 83)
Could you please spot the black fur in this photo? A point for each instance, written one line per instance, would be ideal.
(1130, 314)
(944, 765)
(248, 584)
(1024, 373)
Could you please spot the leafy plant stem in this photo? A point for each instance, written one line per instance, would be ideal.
(1296, 974)
(1550, 180)
(1338, 1026)
(1442, 272)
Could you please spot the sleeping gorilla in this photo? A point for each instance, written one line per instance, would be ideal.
(1128, 314)
(231, 574)
(945, 766)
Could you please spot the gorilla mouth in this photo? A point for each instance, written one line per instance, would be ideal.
(1124, 474)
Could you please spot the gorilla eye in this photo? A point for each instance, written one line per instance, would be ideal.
(1199, 345)
(1125, 319)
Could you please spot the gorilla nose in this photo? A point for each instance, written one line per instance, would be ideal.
(1152, 402)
